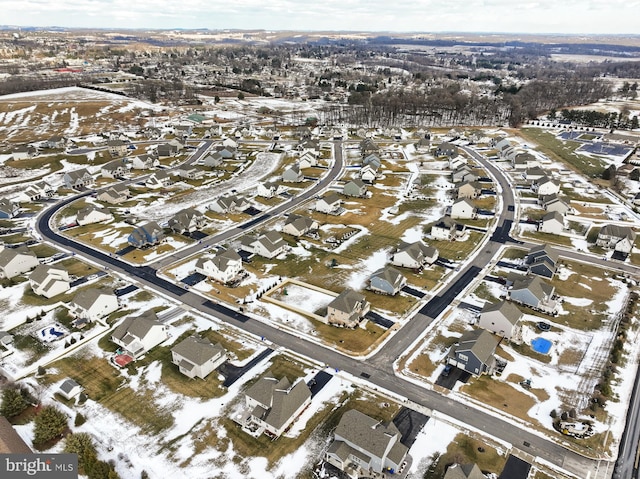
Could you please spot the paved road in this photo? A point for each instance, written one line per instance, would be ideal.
(380, 366)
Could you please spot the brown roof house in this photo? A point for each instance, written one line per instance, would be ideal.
(10, 440)
(297, 225)
(365, 447)
(187, 221)
(274, 404)
(347, 309)
(197, 357)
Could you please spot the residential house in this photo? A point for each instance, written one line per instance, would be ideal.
(49, 281)
(159, 179)
(463, 209)
(8, 209)
(113, 169)
(116, 194)
(355, 188)
(447, 229)
(22, 152)
(77, 179)
(93, 304)
(446, 149)
(523, 160)
(227, 151)
(269, 245)
(69, 389)
(542, 261)
(347, 309)
(545, 186)
(373, 160)
(117, 148)
(365, 447)
(92, 214)
(223, 267)
(144, 162)
(187, 221)
(474, 352)
(552, 222)
(167, 150)
(457, 162)
(55, 142)
(464, 471)
(532, 291)
(617, 238)
(138, 335)
(275, 403)
(270, 189)
(146, 235)
(464, 173)
(190, 172)
(330, 203)
(501, 318)
(368, 146)
(297, 225)
(414, 255)
(229, 204)
(183, 131)
(423, 144)
(307, 160)
(37, 192)
(554, 203)
(10, 440)
(197, 357)
(369, 173)
(212, 160)
(533, 174)
(469, 189)
(293, 174)
(16, 261)
(387, 280)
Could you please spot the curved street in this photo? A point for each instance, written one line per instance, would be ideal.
(380, 365)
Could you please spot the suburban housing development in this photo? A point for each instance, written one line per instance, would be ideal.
(247, 265)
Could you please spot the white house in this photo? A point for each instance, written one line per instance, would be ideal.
(545, 186)
(330, 203)
(16, 261)
(49, 281)
(369, 173)
(113, 169)
(92, 214)
(144, 162)
(69, 389)
(269, 245)
(293, 174)
(307, 160)
(159, 179)
(223, 267)
(500, 318)
(462, 208)
(197, 357)
(414, 255)
(448, 230)
(552, 222)
(617, 238)
(93, 304)
(269, 189)
(228, 204)
(138, 335)
(297, 225)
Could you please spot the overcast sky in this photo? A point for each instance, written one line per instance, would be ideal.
(525, 16)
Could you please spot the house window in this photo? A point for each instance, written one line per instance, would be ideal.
(463, 357)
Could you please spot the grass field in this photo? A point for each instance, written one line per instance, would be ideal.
(466, 450)
(563, 151)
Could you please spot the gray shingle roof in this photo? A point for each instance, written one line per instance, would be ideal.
(480, 342)
(198, 350)
(366, 433)
(347, 301)
(509, 310)
(136, 327)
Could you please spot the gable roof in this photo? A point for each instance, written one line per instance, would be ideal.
(87, 297)
(391, 275)
(331, 198)
(68, 385)
(366, 433)
(9, 254)
(299, 222)
(10, 440)
(480, 342)
(464, 471)
(198, 350)
(133, 328)
(509, 310)
(347, 301)
(617, 231)
(535, 285)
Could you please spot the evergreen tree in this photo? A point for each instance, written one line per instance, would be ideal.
(49, 424)
(13, 403)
